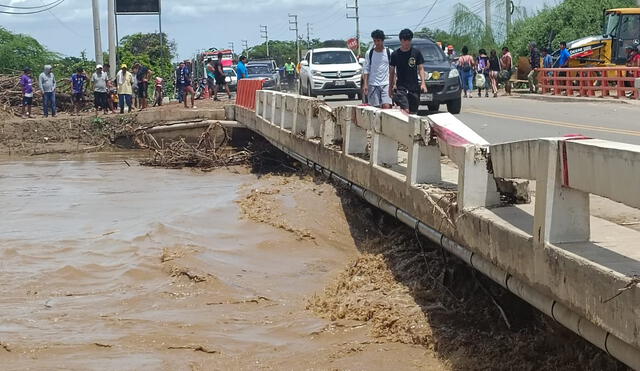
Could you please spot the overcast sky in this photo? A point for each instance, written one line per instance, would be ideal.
(201, 24)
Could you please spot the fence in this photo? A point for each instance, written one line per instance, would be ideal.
(246, 92)
(588, 81)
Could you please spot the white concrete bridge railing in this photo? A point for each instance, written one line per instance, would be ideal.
(437, 175)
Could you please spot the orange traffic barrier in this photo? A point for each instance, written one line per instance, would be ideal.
(207, 94)
(246, 92)
(586, 82)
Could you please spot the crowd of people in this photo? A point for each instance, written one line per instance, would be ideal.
(482, 71)
(216, 79)
(126, 89)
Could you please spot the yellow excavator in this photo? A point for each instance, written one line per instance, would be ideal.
(621, 30)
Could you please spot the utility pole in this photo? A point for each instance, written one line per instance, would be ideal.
(111, 17)
(508, 18)
(97, 37)
(356, 8)
(231, 46)
(309, 34)
(487, 17)
(245, 45)
(293, 26)
(264, 33)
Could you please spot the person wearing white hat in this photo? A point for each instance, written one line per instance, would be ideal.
(99, 81)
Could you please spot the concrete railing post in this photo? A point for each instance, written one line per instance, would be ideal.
(355, 137)
(268, 105)
(561, 214)
(313, 123)
(288, 111)
(328, 129)
(384, 150)
(260, 103)
(278, 106)
(476, 187)
(423, 162)
(295, 115)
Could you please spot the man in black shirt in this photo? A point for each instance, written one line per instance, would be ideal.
(221, 78)
(405, 64)
(143, 74)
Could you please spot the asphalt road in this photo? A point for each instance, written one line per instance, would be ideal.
(511, 118)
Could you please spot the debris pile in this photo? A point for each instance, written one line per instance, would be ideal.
(210, 151)
(11, 96)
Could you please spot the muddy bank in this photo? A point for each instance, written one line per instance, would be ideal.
(87, 132)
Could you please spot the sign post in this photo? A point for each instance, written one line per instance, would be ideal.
(353, 43)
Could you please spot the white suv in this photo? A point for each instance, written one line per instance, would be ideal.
(330, 71)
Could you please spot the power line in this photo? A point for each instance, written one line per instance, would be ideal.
(425, 15)
(35, 11)
(28, 7)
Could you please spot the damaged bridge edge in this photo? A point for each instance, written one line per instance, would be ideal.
(506, 255)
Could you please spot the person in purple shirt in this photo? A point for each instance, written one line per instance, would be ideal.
(78, 83)
(26, 81)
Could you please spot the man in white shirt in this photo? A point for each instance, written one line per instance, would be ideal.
(376, 72)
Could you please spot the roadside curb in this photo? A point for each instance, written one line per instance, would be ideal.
(563, 99)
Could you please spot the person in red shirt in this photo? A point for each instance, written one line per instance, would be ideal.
(633, 59)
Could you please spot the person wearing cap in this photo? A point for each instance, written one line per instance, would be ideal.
(47, 82)
(451, 53)
(27, 92)
(100, 83)
(124, 82)
(375, 83)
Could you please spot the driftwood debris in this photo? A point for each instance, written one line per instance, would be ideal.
(210, 151)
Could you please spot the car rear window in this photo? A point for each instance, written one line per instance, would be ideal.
(333, 57)
(430, 52)
(259, 70)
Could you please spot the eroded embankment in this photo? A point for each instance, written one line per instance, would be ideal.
(406, 290)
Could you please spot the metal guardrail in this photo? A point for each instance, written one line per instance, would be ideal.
(589, 80)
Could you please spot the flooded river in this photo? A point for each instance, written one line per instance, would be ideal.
(111, 266)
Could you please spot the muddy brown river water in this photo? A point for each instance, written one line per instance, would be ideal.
(106, 266)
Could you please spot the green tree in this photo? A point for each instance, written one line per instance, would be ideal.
(18, 51)
(145, 48)
(281, 51)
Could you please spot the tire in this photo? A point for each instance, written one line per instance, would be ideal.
(454, 106)
(359, 96)
(433, 107)
(352, 96)
(309, 91)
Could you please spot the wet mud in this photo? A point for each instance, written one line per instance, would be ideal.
(110, 265)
